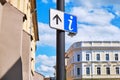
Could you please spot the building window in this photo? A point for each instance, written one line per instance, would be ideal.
(98, 71)
(98, 57)
(107, 57)
(87, 57)
(116, 57)
(87, 70)
(78, 71)
(78, 57)
(107, 70)
(117, 70)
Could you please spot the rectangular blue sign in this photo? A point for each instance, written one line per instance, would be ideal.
(70, 23)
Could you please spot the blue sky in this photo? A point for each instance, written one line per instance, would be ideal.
(97, 20)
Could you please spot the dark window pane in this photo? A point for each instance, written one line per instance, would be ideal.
(116, 57)
(78, 57)
(98, 71)
(98, 56)
(78, 71)
(87, 70)
(117, 70)
(107, 70)
(87, 57)
(107, 57)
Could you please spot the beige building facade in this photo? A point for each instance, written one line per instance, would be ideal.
(96, 60)
(18, 36)
(38, 76)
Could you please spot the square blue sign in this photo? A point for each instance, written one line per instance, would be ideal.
(70, 23)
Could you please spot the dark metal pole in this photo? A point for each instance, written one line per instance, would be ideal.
(60, 63)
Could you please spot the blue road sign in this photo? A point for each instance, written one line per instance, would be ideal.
(63, 21)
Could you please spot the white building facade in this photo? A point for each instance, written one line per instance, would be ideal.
(97, 60)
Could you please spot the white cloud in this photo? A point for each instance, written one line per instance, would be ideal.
(46, 64)
(92, 16)
(96, 33)
(47, 35)
(46, 60)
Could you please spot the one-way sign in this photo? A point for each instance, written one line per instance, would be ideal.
(62, 21)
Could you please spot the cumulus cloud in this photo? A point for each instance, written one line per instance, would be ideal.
(47, 35)
(88, 33)
(96, 33)
(92, 16)
(46, 64)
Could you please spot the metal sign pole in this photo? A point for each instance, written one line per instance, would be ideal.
(60, 44)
